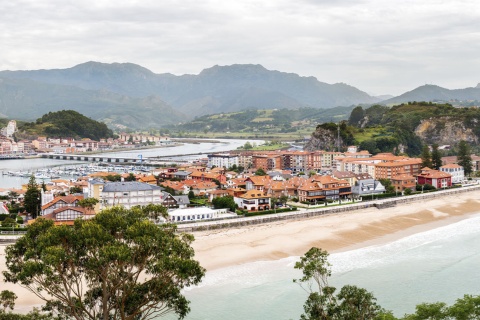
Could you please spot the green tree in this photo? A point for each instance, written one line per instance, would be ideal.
(7, 300)
(351, 303)
(88, 203)
(436, 157)
(9, 222)
(75, 189)
(260, 172)
(191, 195)
(117, 265)
(464, 157)
(407, 191)
(31, 200)
(356, 116)
(224, 202)
(131, 177)
(426, 157)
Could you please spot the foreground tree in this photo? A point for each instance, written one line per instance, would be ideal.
(31, 198)
(351, 303)
(118, 265)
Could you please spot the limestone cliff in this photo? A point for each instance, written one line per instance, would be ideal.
(445, 130)
(321, 139)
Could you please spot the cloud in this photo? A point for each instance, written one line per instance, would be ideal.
(377, 46)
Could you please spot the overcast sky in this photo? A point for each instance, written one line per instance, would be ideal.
(378, 46)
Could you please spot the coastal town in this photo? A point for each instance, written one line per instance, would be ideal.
(219, 186)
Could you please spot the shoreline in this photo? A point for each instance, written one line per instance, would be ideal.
(335, 232)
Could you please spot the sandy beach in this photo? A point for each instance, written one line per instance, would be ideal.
(335, 232)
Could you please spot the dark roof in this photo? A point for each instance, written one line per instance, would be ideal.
(128, 186)
(182, 199)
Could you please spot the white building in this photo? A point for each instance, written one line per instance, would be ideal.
(197, 214)
(455, 170)
(222, 160)
(127, 193)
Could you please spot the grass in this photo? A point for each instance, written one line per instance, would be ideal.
(371, 133)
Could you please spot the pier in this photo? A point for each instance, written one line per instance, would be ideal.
(154, 161)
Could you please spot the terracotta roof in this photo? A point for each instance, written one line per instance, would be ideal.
(253, 194)
(70, 199)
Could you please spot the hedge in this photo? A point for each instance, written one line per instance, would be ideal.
(259, 213)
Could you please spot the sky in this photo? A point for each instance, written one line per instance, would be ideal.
(378, 46)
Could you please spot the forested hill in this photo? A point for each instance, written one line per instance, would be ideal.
(66, 123)
(406, 127)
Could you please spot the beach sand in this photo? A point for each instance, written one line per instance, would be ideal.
(335, 232)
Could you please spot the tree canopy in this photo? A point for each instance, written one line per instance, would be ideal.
(117, 265)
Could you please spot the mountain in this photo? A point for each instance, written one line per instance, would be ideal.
(215, 90)
(26, 99)
(436, 93)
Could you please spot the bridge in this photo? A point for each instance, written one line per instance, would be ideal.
(117, 160)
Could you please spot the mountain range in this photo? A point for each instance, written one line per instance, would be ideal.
(128, 95)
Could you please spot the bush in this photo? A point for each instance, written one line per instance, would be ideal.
(259, 213)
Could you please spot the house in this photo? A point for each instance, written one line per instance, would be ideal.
(60, 202)
(216, 194)
(253, 200)
(256, 182)
(334, 188)
(311, 192)
(403, 181)
(182, 201)
(126, 193)
(455, 170)
(365, 185)
(167, 200)
(436, 178)
(67, 215)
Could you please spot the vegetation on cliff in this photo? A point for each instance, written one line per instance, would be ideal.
(66, 123)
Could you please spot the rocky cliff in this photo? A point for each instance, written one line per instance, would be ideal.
(445, 130)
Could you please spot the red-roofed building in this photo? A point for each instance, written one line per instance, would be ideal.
(436, 178)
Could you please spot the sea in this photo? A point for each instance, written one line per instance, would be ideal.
(437, 265)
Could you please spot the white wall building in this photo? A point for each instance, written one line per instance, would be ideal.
(197, 214)
(127, 193)
(222, 160)
(455, 170)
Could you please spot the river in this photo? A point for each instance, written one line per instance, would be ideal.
(7, 181)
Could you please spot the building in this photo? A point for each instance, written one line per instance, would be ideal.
(365, 185)
(456, 171)
(403, 181)
(127, 193)
(253, 200)
(197, 214)
(60, 202)
(222, 160)
(436, 178)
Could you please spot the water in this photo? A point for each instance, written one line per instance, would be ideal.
(39, 163)
(437, 265)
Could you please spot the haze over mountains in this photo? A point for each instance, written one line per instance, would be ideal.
(130, 95)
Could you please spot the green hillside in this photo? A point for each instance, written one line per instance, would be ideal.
(66, 123)
(267, 123)
(406, 127)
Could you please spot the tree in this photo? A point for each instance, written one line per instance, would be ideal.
(117, 265)
(131, 177)
(407, 191)
(191, 195)
(350, 303)
(7, 300)
(426, 157)
(260, 172)
(436, 157)
(356, 116)
(31, 198)
(224, 202)
(75, 189)
(464, 157)
(88, 203)
(9, 222)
